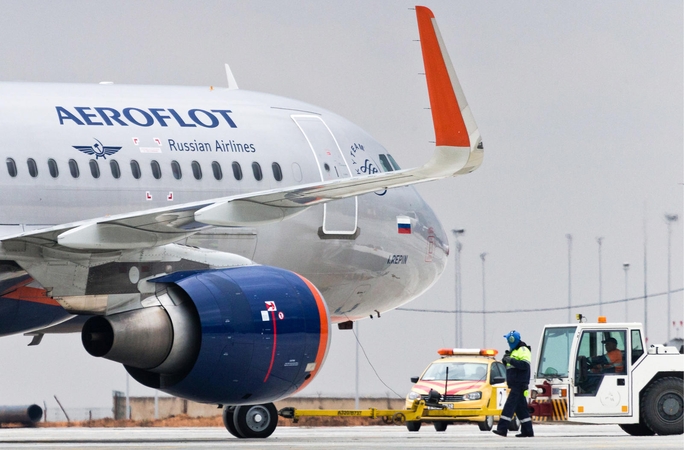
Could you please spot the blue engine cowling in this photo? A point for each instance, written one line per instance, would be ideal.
(248, 335)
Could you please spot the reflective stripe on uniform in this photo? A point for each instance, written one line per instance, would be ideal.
(526, 420)
(522, 354)
(505, 418)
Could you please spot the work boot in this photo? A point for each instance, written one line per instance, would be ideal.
(500, 432)
(524, 435)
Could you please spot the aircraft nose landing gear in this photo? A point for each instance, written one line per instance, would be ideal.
(251, 421)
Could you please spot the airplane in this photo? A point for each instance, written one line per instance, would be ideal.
(208, 238)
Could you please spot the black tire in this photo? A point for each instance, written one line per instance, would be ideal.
(637, 429)
(413, 425)
(662, 408)
(440, 426)
(228, 412)
(514, 425)
(255, 421)
(487, 424)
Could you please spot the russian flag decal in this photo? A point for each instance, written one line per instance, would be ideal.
(404, 225)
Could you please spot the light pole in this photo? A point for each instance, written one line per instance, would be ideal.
(645, 277)
(458, 333)
(625, 267)
(669, 218)
(484, 303)
(600, 242)
(569, 238)
(356, 384)
(128, 398)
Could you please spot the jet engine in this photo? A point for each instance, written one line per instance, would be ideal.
(234, 336)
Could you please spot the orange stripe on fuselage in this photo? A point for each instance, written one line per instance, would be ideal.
(19, 284)
(323, 339)
(450, 128)
(30, 294)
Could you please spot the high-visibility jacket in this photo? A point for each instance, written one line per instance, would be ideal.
(615, 358)
(518, 368)
(611, 362)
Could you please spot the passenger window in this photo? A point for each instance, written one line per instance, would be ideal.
(156, 170)
(52, 167)
(135, 169)
(94, 168)
(216, 168)
(11, 167)
(73, 168)
(277, 172)
(196, 170)
(32, 167)
(384, 162)
(114, 166)
(176, 170)
(256, 170)
(237, 170)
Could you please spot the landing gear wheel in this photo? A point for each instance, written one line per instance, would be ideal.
(255, 421)
(663, 406)
(637, 429)
(514, 425)
(487, 424)
(440, 426)
(413, 425)
(228, 413)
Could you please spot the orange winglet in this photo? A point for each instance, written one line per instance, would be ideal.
(450, 128)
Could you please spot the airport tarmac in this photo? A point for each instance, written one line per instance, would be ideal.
(556, 436)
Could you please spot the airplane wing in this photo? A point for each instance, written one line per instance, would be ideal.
(458, 151)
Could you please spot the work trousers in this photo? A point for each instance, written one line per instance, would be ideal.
(516, 403)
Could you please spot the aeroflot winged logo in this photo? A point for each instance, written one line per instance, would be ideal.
(98, 149)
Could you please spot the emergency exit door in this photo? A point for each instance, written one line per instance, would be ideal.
(339, 216)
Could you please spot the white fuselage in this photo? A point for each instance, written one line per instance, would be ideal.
(72, 152)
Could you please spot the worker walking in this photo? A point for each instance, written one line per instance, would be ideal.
(518, 379)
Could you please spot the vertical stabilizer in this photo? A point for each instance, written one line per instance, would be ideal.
(456, 133)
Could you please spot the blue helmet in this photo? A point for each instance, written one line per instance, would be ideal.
(513, 339)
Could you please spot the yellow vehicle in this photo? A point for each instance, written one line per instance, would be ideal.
(464, 380)
(475, 387)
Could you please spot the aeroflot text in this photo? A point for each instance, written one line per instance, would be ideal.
(85, 115)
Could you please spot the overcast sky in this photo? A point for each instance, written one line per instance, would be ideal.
(580, 108)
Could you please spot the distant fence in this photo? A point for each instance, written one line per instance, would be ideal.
(55, 414)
